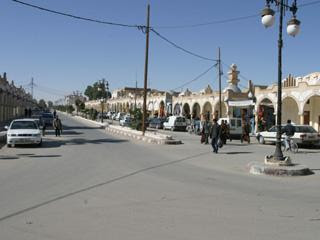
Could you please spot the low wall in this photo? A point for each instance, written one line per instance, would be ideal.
(149, 137)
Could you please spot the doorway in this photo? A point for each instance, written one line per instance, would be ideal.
(306, 117)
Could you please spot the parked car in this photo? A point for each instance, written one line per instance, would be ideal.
(175, 123)
(109, 114)
(104, 115)
(125, 121)
(119, 115)
(304, 135)
(235, 126)
(156, 123)
(47, 118)
(23, 131)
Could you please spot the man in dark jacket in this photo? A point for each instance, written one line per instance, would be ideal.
(289, 131)
(215, 135)
(57, 126)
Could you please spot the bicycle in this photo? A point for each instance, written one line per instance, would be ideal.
(293, 147)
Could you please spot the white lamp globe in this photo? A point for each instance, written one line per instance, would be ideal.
(267, 17)
(293, 27)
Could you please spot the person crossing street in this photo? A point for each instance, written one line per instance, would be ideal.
(57, 125)
(215, 133)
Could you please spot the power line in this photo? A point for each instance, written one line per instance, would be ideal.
(210, 23)
(229, 20)
(181, 48)
(196, 78)
(309, 4)
(141, 27)
(76, 17)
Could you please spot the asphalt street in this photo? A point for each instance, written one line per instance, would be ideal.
(87, 184)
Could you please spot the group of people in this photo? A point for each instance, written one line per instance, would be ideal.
(218, 133)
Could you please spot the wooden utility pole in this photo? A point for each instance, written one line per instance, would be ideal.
(144, 115)
(135, 94)
(219, 65)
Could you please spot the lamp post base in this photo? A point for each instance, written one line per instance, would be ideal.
(275, 161)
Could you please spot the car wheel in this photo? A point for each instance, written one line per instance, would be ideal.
(9, 146)
(40, 143)
(261, 140)
(172, 128)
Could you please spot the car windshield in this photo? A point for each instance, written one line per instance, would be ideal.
(23, 125)
(305, 129)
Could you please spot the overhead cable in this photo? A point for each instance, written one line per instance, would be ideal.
(76, 17)
(181, 48)
(195, 79)
(210, 23)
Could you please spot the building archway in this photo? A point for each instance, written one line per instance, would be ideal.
(265, 115)
(196, 111)
(290, 110)
(311, 112)
(207, 110)
(177, 109)
(186, 111)
(162, 109)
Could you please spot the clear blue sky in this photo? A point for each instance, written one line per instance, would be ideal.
(64, 54)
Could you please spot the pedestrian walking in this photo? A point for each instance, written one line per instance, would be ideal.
(57, 125)
(245, 132)
(206, 131)
(215, 133)
(289, 130)
(43, 125)
(224, 131)
(29, 112)
(54, 114)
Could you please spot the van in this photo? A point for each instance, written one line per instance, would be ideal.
(235, 126)
(175, 123)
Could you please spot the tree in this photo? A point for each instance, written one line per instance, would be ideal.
(97, 91)
(42, 104)
(78, 103)
(50, 104)
(70, 109)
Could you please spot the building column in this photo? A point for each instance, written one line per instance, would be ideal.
(301, 116)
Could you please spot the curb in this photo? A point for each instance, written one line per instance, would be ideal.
(138, 136)
(280, 171)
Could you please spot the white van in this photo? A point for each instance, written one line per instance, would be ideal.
(235, 126)
(175, 123)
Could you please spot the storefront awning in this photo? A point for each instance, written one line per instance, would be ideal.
(242, 103)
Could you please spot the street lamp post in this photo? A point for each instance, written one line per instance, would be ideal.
(293, 28)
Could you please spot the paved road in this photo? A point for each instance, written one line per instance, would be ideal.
(90, 185)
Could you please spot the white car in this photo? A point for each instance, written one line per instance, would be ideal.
(125, 121)
(174, 123)
(23, 131)
(304, 135)
(119, 116)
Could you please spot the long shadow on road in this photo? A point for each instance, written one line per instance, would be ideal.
(78, 141)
